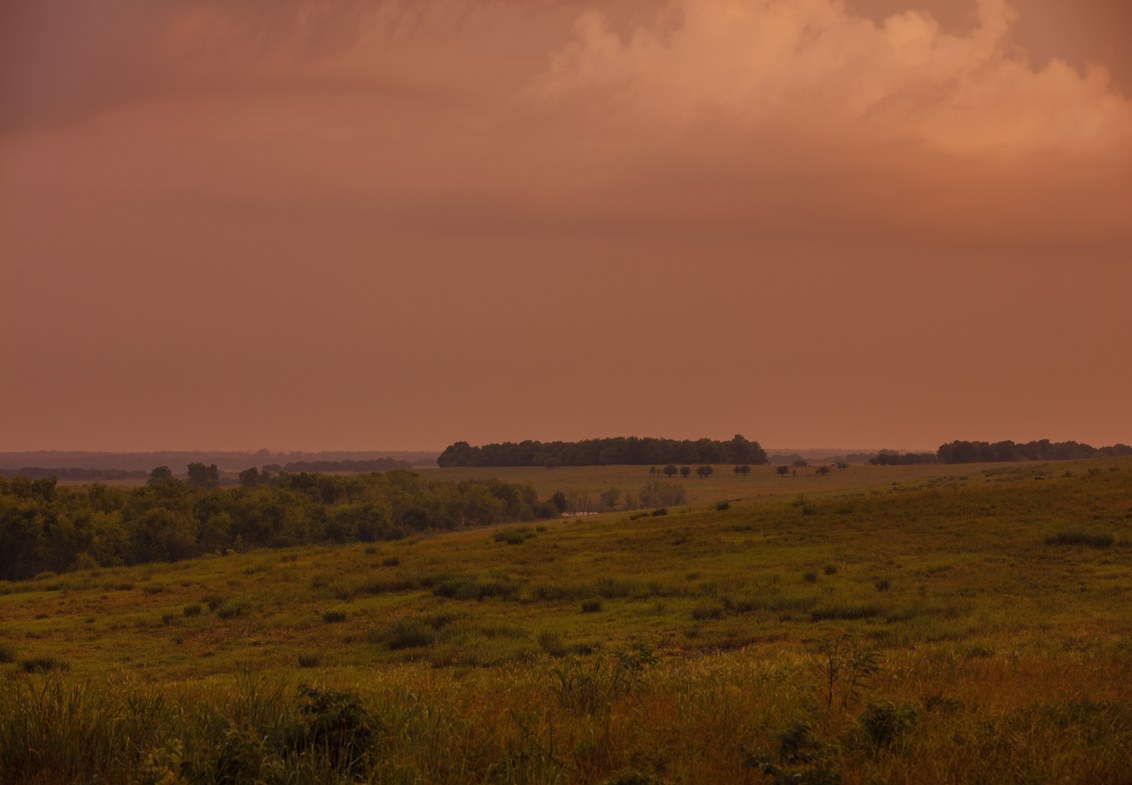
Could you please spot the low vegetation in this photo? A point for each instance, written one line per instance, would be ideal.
(930, 628)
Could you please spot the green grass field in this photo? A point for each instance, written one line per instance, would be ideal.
(923, 624)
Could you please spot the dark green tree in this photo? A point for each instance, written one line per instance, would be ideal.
(201, 476)
(160, 474)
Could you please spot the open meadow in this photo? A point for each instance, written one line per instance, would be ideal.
(916, 624)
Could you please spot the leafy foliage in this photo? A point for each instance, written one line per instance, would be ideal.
(47, 527)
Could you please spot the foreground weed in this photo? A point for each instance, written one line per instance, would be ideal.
(845, 668)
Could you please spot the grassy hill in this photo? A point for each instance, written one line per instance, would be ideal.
(877, 624)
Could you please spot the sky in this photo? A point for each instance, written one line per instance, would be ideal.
(394, 224)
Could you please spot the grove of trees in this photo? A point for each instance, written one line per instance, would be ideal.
(47, 527)
(625, 450)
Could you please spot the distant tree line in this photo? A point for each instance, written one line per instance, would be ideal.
(621, 450)
(1043, 450)
(1000, 452)
(894, 458)
(359, 466)
(46, 527)
(73, 474)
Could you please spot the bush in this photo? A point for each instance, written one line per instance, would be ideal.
(844, 612)
(7, 653)
(591, 606)
(1100, 541)
(310, 660)
(552, 644)
(390, 561)
(191, 610)
(707, 612)
(43, 665)
(333, 617)
(466, 587)
(337, 725)
(885, 724)
(515, 535)
(213, 601)
(408, 633)
(233, 609)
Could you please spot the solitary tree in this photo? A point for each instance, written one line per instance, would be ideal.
(703, 471)
(783, 470)
(743, 470)
(685, 471)
(160, 474)
(670, 470)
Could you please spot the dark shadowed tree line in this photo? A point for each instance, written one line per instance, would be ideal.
(374, 465)
(1043, 450)
(46, 527)
(620, 450)
(894, 458)
(73, 474)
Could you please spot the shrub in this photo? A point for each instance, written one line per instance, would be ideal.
(43, 665)
(333, 617)
(191, 610)
(707, 612)
(233, 609)
(311, 660)
(408, 633)
(338, 726)
(591, 606)
(882, 584)
(799, 760)
(885, 724)
(466, 587)
(829, 569)
(7, 653)
(1100, 541)
(610, 588)
(390, 561)
(810, 576)
(213, 601)
(844, 612)
(515, 535)
(552, 643)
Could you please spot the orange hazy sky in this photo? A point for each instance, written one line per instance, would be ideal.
(392, 224)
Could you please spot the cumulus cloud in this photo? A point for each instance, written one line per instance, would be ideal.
(802, 64)
(766, 118)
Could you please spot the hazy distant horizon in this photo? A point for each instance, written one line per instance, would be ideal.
(891, 222)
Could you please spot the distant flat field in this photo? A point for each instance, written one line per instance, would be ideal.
(723, 483)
